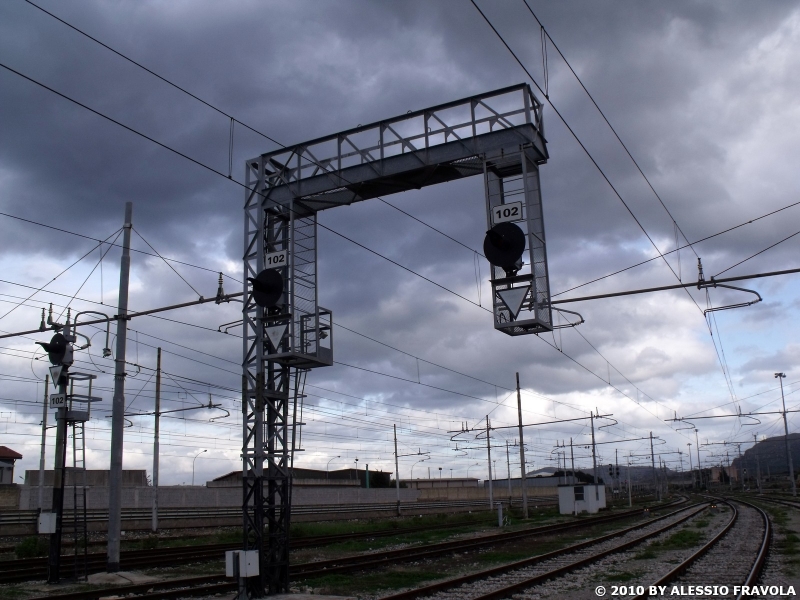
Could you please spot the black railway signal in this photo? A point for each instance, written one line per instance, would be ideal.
(503, 246)
(267, 288)
(58, 349)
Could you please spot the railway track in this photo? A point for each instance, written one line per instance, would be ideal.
(27, 569)
(510, 579)
(206, 516)
(734, 557)
(210, 585)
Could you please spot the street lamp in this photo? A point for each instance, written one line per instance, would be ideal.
(414, 465)
(780, 377)
(440, 472)
(329, 464)
(195, 458)
(469, 467)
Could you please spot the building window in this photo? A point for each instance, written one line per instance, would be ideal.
(578, 492)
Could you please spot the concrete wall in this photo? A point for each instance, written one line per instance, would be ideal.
(130, 477)
(9, 496)
(203, 497)
(467, 493)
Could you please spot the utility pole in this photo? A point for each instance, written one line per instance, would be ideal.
(699, 471)
(691, 467)
(616, 472)
(508, 470)
(522, 455)
(630, 497)
(396, 470)
(44, 438)
(572, 460)
(118, 404)
(653, 462)
(155, 441)
(489, 455)
(594, 460)
(780, 377)
(741, 465)
(730, 479)
(758, 462)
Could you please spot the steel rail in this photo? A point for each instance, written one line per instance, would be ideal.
(378, 559)
(508, 591)
(761, 558)
(158, 553)
(686, 564)
(223, 587)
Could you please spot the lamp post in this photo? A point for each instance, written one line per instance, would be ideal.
(469, 467)
(194, 459)
(414, 465)
(780, 377)
(329, 464)
(440, 472)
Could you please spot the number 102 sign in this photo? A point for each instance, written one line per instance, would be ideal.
(511, 211)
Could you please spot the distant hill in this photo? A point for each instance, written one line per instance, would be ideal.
(771, 456)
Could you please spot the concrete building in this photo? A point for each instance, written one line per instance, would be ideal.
(575, 499)
(7, 459)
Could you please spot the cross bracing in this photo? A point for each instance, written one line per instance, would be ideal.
(417, 149)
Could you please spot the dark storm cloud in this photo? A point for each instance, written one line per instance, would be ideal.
(689, 86)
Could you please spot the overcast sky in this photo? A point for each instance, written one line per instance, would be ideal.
(702, 93)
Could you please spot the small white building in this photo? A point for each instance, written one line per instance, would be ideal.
(575, 499)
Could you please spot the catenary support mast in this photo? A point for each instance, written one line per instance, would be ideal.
(118, 403)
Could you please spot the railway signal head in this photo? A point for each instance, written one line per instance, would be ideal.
(267, 288)
(503, 246)
(58, 349)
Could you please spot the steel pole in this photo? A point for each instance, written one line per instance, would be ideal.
(397, 470)
(780, 376)
(489, 455)
(118, 403)
(522, 455)
(508, 470)
(630, 496)
(54, 557)
(155, 440)
(44, 439)
(572, 460)
(691, 467)
(653, 463)
(594, 460)
(758, 462)
(741, 465)
(730, 479)
(699, 470)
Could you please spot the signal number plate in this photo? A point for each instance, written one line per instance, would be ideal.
(275, 259)
(507, 212)
(58, 400)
